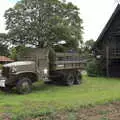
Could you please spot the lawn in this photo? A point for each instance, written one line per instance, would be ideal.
(46, 99)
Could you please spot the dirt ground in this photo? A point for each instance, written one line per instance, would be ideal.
(100, 112)
(109, 111)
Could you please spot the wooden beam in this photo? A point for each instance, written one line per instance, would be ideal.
(107, 61)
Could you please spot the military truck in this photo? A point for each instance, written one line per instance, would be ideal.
(41, 64)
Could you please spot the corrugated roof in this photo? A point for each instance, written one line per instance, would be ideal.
(5, 59)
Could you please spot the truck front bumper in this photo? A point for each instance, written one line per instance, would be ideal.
(2, 82)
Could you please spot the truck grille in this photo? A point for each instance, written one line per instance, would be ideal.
(5, 71)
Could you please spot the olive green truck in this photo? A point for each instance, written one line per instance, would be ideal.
(41, 64)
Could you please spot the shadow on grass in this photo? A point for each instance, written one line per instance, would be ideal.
(40, 86)
(36, 87)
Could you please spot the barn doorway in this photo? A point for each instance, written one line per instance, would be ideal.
(114, 68)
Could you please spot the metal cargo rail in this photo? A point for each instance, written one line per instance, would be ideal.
(69, 61)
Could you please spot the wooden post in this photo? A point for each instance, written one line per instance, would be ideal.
(107, 61)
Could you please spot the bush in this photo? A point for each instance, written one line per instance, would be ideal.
(1, 66)
(94, 68)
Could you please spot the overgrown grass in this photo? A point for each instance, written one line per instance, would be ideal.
(47, 99)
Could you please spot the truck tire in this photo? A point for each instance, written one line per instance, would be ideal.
(78, 78)
(69, 79)
(24, 85)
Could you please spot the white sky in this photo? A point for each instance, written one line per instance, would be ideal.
(95, 14)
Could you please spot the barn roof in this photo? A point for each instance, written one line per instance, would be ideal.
(108, 25)
(5, 59)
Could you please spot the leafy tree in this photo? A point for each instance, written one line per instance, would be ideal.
(44, 22)
(13, 53)
(89, 44)
(3, 45)
(86, 47)
(17, 52)
(3, 38)
(4, 50)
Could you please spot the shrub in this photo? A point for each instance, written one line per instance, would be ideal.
(94, 68)
(1, 66)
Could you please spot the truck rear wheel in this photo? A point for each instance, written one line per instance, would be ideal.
(24, 86)
(69, 79)
(78, 78)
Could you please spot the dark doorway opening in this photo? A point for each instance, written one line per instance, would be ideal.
(114, 68)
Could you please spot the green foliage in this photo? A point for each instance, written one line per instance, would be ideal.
(13, 53)
(4, 50)
(44, 22)
(3, 38)
(86, 48)
(32, 114)
(94, 68)
(3, 45)
(89, 44)
(104, 118)
(17, 52)
(72, 116)
(0, 66)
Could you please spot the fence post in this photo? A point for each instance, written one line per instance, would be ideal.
(107, 61)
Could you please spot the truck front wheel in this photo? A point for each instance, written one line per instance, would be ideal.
(24, 85)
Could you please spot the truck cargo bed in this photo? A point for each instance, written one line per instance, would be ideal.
(68, 61)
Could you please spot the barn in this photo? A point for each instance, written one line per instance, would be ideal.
(107, 47)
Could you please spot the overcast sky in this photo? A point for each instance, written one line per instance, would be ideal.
(95, 14)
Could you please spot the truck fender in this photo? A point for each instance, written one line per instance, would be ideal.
(31, 75)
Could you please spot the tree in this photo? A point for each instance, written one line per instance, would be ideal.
(44, 22)
(86, 48)
(3, 38)
(13, 53)
(89, 44)
(4, 50)
(3, 45)
(17, 52)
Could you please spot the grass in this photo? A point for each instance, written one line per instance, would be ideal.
(47, 99)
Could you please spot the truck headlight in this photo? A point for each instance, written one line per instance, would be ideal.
(13, 69)
(45, 71)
